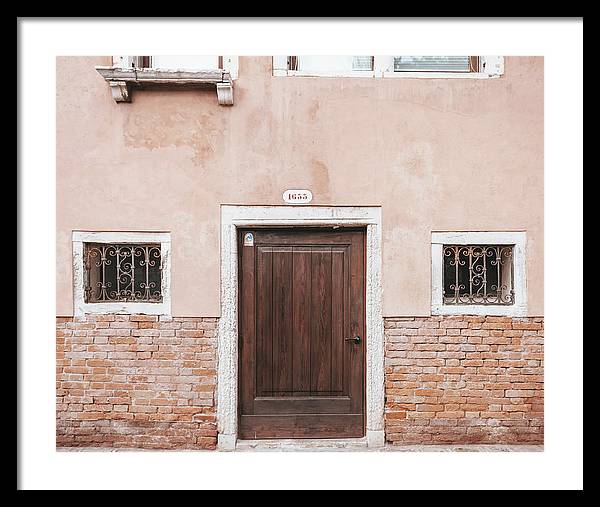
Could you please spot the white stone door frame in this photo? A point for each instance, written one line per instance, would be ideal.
(233, 217)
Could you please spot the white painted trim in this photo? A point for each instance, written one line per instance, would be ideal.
(280, 64)
(516, 238)
(478, 237)
(80, 307)
(227, 364)
(231, 64)
(383, 67)
(121, 237)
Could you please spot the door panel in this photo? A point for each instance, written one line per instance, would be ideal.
(301, 297)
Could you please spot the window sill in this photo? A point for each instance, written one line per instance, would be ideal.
(123, 81)
(440, 75)
(495, 310)
(123, 308)
(302, 73)
(386, 75)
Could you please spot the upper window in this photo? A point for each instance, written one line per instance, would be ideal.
(180, 71)
(118, 272)
(479, 273)
(389, 66)
(174, 62)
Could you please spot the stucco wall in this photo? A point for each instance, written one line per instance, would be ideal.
(439, 154)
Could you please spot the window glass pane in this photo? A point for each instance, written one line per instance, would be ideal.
(431, 63)
(191, 62)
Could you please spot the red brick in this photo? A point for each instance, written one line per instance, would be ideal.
(395, 415)
(143, 318)
(424, 407)
(488, 381)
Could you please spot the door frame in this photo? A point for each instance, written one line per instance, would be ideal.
(234, 217)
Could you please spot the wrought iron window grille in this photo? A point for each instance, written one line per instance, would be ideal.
(478, 275)
(123, 272)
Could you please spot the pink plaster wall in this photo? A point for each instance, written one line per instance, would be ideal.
(436, 154)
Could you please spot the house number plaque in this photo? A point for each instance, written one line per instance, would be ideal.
(297, 196)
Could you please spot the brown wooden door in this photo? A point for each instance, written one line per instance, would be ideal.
(302, 303)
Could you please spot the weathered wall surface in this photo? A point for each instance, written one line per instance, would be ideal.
(450, 154)
(464, 379)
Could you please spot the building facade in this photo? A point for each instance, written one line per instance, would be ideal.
(269, 247)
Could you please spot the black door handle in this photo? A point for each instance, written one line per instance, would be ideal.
(355, 339)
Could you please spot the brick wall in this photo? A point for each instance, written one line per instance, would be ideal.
(464, 379)
(141, 381)
(136, 381)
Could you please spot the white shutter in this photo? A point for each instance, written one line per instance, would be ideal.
(431, 63)
(362, 63)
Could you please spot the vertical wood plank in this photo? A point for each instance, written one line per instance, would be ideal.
(337, 319)
(321, 321)
(282, 322)
(357, 320)
(247, 327)
(264, 321)
(301, 319)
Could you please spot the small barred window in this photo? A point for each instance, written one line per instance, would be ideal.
(122, 272)
(478, 275)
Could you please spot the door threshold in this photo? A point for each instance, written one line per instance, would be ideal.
(303, 444)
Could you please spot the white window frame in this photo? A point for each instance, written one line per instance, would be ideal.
(230, 64)
(516, 238)
(383, 66)
(80, 307)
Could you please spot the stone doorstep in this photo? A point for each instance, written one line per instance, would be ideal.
(316, 445)
(303, 444)
(360, 444)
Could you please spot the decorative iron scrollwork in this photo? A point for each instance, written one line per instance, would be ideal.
(123, 272)
(478, 275)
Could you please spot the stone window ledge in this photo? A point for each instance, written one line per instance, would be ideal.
(123, 81)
